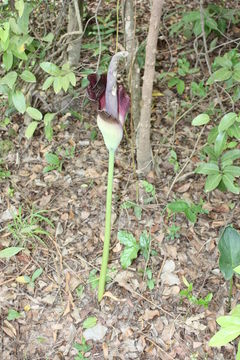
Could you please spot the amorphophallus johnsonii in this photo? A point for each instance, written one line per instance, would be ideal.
(112, 105)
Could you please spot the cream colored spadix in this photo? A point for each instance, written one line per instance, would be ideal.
(112, 132)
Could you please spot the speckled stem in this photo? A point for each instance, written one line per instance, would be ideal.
(103, 273)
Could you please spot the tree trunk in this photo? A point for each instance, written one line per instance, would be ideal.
(75, 24)
(133, 68)
(144, 151)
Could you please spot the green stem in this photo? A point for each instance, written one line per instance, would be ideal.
(106, 245)
(230, 294)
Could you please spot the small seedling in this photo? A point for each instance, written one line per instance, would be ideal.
(220, 171)
(173, 232)
(173, 160)
(190, 210)
(25, 279)
(4, 174)
(79, 291)
(82, 349)
(150, 280)
(132, 247)
(150, 190)
(136, 208)
(13, 315)
(230, 330)
(25, 228)
(89, 322)
(54, 163)
(94, 279)
(188, 294)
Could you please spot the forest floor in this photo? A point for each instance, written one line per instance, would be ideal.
(133, 322)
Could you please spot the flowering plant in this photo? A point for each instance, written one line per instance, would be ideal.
(112, 106)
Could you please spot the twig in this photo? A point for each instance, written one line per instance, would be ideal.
(99, 34)
(206, 53)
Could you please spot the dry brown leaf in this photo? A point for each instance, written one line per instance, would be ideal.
(149, 314)
(105, 350)
(111, 296)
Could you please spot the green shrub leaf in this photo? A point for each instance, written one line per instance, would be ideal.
(28, 76)
(9, 79)
(201, 119)
(19, 101)
(50, 68)
(207, 169)
(219, 75)
(229, 247)
(31, 129)
(227, 121)
(34, 113)
(212, 182)
(9, 252)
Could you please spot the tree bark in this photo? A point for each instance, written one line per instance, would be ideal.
(144, 151)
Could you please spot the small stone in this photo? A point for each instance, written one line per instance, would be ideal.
(96, 333)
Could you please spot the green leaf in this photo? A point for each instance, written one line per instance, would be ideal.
(65, 82)
(19, 101)
(144, 242)
(36, 274)
(126, 238)
(48, 38)
(72, 78)
(238, 352)
(7, 59)
(232, 170)
(180, 87)
(229, 157)
(229, 247)
(9, 252)
(31, 129)
(138, 212)
(48, 118)
(93, 279)
(13, 315)
(207, 169)
(172, 82)
(34, 113)
(57, 85)
(227, 121)
(19, 6)
(236, 75)
(223, 337)
(190, 215)
(220, 143)
(201, 119)
(219, 75)
(229, 321)
(211, 23)
(89, 322)
(178, 206)
(52, 159)
(128, 254)
(212, 182)
(237, 269)
(50, 68)
(28, 76)
(48, 82)
(228, 182)
(9, 79)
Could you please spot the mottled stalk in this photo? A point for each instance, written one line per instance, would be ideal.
(106, 245)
